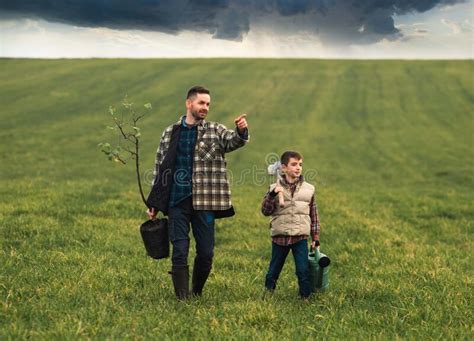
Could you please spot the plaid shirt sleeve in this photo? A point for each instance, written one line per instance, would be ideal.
(230, 140)
(313, 213)
(160, 153)
(159, 156)
(268, 204)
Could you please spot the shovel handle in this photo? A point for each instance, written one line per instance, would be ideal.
(281, 200)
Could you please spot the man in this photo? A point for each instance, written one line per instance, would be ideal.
(190, 186)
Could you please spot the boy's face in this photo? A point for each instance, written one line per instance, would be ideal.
(294, 168)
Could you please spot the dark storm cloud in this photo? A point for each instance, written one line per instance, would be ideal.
(339, 21)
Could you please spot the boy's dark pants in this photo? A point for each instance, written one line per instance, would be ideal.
(202, 223)
(300, 254)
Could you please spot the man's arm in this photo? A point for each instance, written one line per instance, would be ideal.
(158, 160)
(230, 140)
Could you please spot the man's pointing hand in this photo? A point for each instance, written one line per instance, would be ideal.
(241, 123)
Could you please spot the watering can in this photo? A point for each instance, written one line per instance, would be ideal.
(318, 270)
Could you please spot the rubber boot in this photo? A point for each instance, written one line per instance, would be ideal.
(199, 279)
(180, 276)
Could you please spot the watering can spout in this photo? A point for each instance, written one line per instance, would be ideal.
(324, 262)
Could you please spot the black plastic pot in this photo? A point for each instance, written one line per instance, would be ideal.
(155, 237)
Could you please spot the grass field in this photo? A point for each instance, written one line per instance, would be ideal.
(388, 144)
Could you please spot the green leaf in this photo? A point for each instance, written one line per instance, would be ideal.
(116, 151)
(127, 104)
(148, 106)
(106, 148)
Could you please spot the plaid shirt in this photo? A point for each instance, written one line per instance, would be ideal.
(269, 206)
(182, 186)
(210, 187)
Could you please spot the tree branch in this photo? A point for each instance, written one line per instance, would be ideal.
(127, 136)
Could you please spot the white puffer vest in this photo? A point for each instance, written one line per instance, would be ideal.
(293, 218)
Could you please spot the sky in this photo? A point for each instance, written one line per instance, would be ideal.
(347, 29)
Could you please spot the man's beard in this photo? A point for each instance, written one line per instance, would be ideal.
(196, 115)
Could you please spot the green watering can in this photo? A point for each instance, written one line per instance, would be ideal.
(318, 270)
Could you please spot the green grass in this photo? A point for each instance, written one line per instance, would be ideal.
(388, 144)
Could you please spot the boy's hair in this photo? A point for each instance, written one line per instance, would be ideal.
(197, 90)
(285, 157)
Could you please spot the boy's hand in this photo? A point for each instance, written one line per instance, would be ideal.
(314, 244)
(278, 189)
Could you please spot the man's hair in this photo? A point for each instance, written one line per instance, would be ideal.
(285, 157)
(197, 90)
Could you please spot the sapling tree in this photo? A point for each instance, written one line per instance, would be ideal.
(125, 124)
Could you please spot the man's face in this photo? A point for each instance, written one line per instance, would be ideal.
(199, 106)
(294, 168)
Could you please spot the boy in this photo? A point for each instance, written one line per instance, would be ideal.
(292, 224)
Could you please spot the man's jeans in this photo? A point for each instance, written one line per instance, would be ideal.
(300, 254)
(202, 223)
